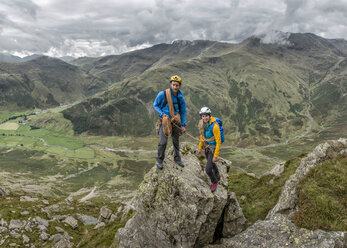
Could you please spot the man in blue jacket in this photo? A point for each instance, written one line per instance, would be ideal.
(162, 107)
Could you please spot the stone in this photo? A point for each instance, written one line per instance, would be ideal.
(113, 217)
(42, 228)
(15, 224)
(28, 228)
(28, 199)
(25, 239)
(71, 221)
(3, 229)
(25, 213)
(101, 224)
(59, 229)
(44, 236)
(64, 244)
(175, 206)
(87, 220)
(56, 238)
(3, 223)
(59, 217)
(41, 221)
(14, 234)
(105, 214)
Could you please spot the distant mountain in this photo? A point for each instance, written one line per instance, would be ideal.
(261, 91)
(31, 57)
(115, 68)
(9, 58)
(43, 82)
(67, 58)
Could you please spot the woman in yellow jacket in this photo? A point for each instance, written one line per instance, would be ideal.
(212, 137)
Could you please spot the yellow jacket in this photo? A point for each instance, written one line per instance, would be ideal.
(216, 133)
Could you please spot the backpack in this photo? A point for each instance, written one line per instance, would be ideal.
(220, 124)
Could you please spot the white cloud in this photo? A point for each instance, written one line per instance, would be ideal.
(102, 27)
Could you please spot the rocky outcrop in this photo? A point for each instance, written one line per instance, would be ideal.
(277, 230)
(287, 200)
(176, 208)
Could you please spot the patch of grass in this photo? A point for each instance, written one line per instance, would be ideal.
(260, 194)
(68, 142)
(322, 197)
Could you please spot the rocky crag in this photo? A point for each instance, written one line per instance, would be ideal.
(175, 208)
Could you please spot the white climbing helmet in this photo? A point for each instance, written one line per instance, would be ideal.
(205, 111)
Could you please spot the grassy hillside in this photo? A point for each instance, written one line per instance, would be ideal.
(322, 197)
(261, 91)
(43, 82)
(116, 68)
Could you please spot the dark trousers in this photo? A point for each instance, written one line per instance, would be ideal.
(163, 142)
(211, 168)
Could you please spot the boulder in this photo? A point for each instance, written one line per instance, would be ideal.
(175, 206)
(15, 224)
(87, 220)
(105, 214)
(71, 221)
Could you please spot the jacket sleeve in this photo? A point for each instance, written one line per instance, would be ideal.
(216, 133)
(158, 102)
(201, 144)
(183, 111)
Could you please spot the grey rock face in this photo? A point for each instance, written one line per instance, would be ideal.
(175, 206)
(234, 220)
(279, 232)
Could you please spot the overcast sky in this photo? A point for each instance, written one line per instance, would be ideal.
(102, 27)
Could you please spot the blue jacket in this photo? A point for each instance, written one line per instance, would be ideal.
(159, 101)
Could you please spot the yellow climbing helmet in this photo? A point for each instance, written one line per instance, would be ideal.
(176, 78)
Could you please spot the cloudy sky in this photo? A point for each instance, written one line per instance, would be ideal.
(103, 27)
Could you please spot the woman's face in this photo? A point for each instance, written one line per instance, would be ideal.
(205, 118)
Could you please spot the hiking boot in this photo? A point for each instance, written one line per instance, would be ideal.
(214, 186)
(179, 163)
(159, 165)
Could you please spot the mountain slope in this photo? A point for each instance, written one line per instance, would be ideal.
(261, 91)
(43, 82)
(116, 68)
